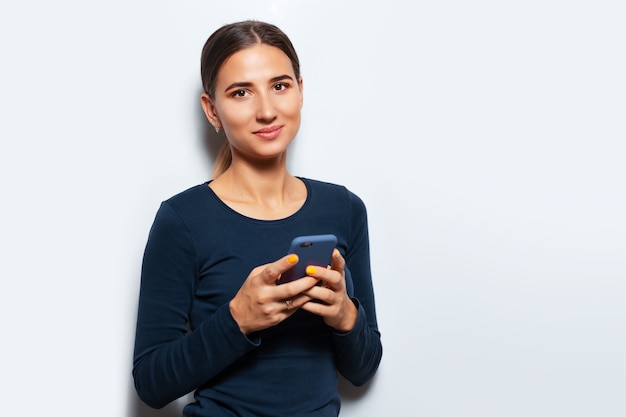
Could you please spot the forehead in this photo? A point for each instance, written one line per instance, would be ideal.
(257, 63)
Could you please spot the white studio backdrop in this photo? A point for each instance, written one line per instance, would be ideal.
(486, 138)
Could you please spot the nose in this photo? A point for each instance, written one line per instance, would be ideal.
(266, 109)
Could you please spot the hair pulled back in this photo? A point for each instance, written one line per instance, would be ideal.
(226, 41)
(236, 36)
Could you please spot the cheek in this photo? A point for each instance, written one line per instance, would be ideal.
(235, 116)
(291, 108)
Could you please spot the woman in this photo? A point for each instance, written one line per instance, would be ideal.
(211, 316)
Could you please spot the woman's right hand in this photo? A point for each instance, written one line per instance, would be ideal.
(260, 303)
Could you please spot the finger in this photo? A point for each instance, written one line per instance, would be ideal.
(324, 295)
(338, 263)
(329, 277)
(273, 270)
(318, 307)
(336, 277)
(295, 302)
(295, 288)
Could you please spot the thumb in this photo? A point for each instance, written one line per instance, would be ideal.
(275, 269)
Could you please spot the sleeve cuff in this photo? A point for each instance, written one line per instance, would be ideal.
(359, 325)
(251, 340)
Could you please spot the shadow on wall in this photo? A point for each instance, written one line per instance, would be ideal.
(137, 408)
(210, 141)
(350, 393)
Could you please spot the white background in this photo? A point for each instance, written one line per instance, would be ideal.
(487, 139)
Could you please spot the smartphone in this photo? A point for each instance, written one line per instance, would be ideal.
(314, 250)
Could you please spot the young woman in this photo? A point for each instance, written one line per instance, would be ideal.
(212, 318)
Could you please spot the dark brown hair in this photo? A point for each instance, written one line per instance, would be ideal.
(236, 36)
(226, 41)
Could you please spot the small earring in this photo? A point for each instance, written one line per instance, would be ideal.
(217, 129)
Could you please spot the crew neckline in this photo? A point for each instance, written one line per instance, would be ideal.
(241, 216)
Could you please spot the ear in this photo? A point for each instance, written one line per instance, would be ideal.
(301, 86)
(209, 111)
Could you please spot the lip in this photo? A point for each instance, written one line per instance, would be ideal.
(268, 133)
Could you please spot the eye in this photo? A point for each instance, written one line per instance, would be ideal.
(281, 86)
(238, 93)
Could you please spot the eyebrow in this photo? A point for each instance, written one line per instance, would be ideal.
(249, 84)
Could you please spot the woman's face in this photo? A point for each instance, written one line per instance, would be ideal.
(257, 102)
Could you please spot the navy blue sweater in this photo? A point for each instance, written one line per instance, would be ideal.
(198, 254)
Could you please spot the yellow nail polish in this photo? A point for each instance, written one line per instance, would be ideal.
(311, 270)
(335, 252)
(292, 259)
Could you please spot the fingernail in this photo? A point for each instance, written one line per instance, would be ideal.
(292, 259)
(311, 270)
(335, 252)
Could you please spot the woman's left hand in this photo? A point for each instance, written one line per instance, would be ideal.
(331, 300)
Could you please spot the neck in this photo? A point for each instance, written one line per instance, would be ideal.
(265, 183)
(260, 193)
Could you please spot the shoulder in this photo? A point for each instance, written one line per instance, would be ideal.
(317, 186)
(188, 198)
(185, 205)
(327, 190)
(190, 194)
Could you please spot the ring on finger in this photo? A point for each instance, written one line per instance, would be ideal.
(289, 303)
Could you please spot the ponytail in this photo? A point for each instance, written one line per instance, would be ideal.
(221, 45)
(223, 160)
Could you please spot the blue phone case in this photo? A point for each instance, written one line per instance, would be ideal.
(313, 250)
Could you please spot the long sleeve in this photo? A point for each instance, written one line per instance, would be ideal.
(359, 351)
(169, 361)
(198, 254)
